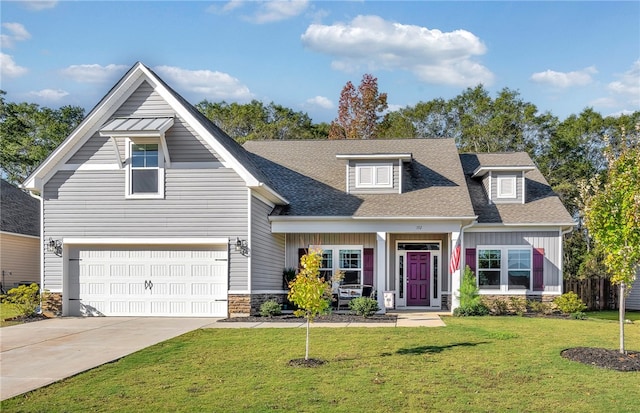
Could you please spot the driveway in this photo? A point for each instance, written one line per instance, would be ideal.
(35, 354)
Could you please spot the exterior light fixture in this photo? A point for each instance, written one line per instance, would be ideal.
(54, 246)
(242, 246)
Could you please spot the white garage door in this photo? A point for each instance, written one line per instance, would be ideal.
(148, 281)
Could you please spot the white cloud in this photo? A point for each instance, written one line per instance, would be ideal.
(206, 83)
(628, 85)
(17, 33)
(94, 73)
(50, 94)
(278, 10)
(565, 79)
(432, 55)
(320, 101)
(9, 68)
(37, 5)
(227, 7)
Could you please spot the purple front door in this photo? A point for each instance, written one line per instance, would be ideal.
(418, 267)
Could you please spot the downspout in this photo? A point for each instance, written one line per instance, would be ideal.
(39, 198)
(561, 258)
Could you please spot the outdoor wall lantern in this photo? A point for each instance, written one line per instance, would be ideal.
(54, 245)
(242, 246)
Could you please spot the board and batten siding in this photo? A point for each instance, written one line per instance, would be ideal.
(19, 259)
(297, 241)
(267, 250)
(198, 203)
(549, 240)
(352, 177)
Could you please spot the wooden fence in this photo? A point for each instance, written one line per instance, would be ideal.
(597, 293)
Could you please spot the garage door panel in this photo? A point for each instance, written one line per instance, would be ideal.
(158, 280)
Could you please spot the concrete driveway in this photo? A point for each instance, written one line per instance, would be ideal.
(35, 354)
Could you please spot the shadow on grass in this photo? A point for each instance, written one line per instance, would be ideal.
(434, 349)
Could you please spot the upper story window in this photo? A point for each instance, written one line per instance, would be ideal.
(507, 186)
(145, 169)
(374, 175)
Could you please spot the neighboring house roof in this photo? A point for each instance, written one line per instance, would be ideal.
(311, 176)
(542, 205)
(20, 213)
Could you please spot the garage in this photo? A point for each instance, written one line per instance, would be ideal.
(148, 280)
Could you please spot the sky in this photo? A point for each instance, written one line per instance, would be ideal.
(561, 56)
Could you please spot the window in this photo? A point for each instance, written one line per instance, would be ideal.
(507, 186)
(145, 172)
(374, 175)
(504, 268)
(349, 260)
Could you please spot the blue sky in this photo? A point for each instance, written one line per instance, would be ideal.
(560, 56)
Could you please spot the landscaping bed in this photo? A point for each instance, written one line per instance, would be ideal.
(326, 318)
(604, 358)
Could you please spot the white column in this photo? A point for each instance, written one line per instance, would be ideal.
(381, 267)
(455, 276)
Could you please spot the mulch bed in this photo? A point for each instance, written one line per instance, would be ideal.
(306, 363)
(604, 358)
(327, 318)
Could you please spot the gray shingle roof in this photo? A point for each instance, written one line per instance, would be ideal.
(310, 176)
(19, 212)
(542, 205)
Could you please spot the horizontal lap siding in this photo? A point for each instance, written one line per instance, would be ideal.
(198, 203)
(144, 102)
(186, 146)
(97, 150)
(633, 299)
(19, 259)
(267, 249)
(547, 240)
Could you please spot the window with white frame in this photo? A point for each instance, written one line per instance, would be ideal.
(145, 169)
(506, 186)
(374, 175)
(504, 268)
(349, 260)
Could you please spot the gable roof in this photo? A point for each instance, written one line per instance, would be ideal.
(313, 178)
(19, 212)
(102, 114)
(542, 205)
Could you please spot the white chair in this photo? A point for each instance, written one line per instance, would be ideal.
(346, 293)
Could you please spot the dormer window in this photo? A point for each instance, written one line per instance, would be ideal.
(374, 175)
(507, 186)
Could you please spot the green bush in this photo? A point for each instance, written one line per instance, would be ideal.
(540, 307)
(478, 309)
(364, 306)
(25, 299)
(570, 303)
(270, 308)
(578, 315)
(469, 293)
(499, 307)
(518, 305)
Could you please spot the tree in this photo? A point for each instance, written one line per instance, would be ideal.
(309, 291)
(30, 133)
(359, 111)
(613, 217)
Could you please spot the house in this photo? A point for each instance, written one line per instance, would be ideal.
(156, 211)
(20, 246)
(632, 301)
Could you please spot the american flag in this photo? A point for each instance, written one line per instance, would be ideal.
(454, 263)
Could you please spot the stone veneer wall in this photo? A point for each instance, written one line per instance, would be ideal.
(245, 305)
(52, 307)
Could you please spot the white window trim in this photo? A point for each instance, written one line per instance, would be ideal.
(128, 194)
(335, 257)
(374, 167)
(504, 269)
(501, 194)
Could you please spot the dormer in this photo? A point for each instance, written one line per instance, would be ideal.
(379, 173)
(504, 184)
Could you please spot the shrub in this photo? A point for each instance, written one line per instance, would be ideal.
(499, 307)
(364, 306)
(270, 308)
(570, 303)
(25, 299)
(578, 315)
(518, 305)
(469, 293)
(478, 309)
(540, 307)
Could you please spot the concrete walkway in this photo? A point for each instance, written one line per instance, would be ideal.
(36, 354)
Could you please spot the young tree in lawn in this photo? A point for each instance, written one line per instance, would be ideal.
(359, 111)
(613, 216)
(309, 291)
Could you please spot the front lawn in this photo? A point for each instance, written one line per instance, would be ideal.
(472, 365)
(614, 315)
(7, 312)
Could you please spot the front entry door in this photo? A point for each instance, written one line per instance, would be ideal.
(418, 277)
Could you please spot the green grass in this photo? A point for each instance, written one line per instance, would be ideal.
(7, 311)
(473, 365)
(614, 315)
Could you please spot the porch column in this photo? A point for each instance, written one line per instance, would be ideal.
(455, 275)
(381, 267)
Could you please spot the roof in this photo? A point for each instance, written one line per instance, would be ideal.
(542, 205)
(19, 212)
(136, 124)
(312, 177)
